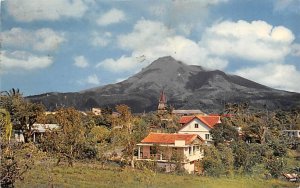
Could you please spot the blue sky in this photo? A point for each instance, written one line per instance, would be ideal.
(72, 45)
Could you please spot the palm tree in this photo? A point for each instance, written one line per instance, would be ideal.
(5, 124)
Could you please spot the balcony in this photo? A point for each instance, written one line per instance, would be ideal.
(152, 157)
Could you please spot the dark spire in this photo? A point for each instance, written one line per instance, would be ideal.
(162, 97)
(162, 101)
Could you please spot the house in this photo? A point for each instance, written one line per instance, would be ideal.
(37, 131)
(200, 125)
(96, 111)
(187, 112)
(169, 149)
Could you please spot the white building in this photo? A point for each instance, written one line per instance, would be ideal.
(161, 147)
(37, 131)
(96, 111)
(200, 125)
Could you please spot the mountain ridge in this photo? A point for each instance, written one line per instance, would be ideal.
(186, 86)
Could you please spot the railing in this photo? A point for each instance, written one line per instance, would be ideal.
(156, 156)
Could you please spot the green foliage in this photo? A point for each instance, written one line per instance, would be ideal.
(246, 156)
(99, 134)
(227, 159)
(218, 161)
(275, 166)
(104, 120)
(5, 125)
(222, 133)
(212, 162)
(69, 141)
(23, 113)
(278, 143)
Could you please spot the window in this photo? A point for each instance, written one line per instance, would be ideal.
(194, 149)
(196, 125)
(206, 136)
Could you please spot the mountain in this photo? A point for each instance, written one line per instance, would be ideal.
(186, 87)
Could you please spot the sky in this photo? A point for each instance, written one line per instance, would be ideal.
(73, 45)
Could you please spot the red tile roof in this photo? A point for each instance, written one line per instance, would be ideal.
(185, 119)
(210, 121)
(165, 138)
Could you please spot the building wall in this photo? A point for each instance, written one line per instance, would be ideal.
(19, 137)
(201, 130)
(146, 151)
(195, 155)
(189, 167)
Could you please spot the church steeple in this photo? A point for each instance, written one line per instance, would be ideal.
(162, 105)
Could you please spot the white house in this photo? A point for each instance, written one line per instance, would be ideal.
(161, 147)
(200, 125)
(37, 131)
(96, 111)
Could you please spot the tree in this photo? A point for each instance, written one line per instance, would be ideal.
(6, 126)
(212, 162)
(132, 131)
(11, 169)
(275, 166)
(254, 124)
(67, 142)
(23, 113)
(223, 133)
(227, 159)
(99, 137)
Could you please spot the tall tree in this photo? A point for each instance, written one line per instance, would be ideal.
(23, 113)
(67, 141)
(222, 133)
(11, 168)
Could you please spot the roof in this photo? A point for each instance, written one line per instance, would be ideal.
(185, 119)
(165, 138)
(187, 112)
(210, 121)
(43, 127)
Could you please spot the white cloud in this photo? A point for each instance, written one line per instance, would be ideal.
(122, 64)
(287, 5)
(278, 76)
(93, 79)
(113, 16)
(296, 49)
(101, 39)
(145, 33)
(44, 39)
(33, 10)
(254, 41)
(23, 60)
(81, 62)
(152, 40)
(183, 16)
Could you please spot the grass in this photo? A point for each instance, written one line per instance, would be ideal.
(45, 174)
